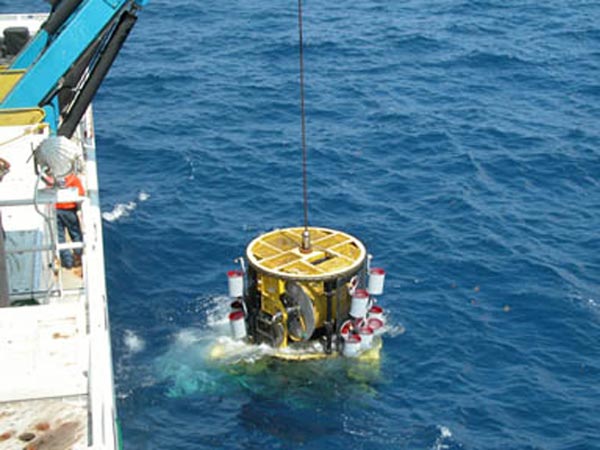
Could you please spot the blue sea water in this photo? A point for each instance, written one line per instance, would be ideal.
(460, 140)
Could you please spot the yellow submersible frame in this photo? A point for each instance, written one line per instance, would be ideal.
(296, 295)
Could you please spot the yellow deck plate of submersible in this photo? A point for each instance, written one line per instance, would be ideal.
(333, 254)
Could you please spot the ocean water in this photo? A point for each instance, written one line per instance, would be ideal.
(460, 140)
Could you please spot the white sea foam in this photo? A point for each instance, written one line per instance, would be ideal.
(229, 351)
(133, 342)
(445, 432)
(187, 337)
(192, 361)
(395, 330)
(441, 443)
(121, 210)
(192, 166)
(130, 376)
(593, 305)
(216, 316)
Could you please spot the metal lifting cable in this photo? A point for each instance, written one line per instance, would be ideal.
(305, 235)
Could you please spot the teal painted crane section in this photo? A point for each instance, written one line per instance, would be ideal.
(77, 32)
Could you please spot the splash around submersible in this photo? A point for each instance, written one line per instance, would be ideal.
(308, 292)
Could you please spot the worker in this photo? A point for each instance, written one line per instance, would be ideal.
(67, 219)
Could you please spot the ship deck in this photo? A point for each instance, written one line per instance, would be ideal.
(44, 344)
(44, 376)
(53, 394)
(48, 424)
(47, 350)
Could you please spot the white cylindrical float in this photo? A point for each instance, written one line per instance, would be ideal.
(376, 281)
(236, 305)
(376, 312)
(360, 303)
(376, 325)
(238, 325)
(366, 335)
(235, 280)
(352, 345)
(346, 328)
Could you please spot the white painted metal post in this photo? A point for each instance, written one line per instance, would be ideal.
(4, 293)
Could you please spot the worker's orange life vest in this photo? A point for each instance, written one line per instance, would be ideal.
(71, 181)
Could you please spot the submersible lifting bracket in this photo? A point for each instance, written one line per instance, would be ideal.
(240, 260)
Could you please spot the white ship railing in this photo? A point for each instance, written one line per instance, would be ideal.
(104, 434)
(49, 250)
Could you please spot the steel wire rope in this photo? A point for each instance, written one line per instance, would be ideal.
(306, 246)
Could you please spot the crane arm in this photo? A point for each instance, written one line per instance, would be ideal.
(76, 31)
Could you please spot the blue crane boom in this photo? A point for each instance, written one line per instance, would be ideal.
(78, 42)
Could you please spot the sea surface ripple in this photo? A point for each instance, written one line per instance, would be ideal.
(460, 140)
